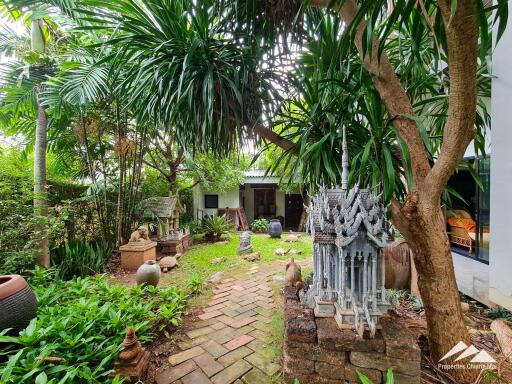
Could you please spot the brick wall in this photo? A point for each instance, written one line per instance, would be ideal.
(316, 350)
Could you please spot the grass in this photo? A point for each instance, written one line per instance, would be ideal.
(196, 263)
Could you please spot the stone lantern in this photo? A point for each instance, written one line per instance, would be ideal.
(349, 230)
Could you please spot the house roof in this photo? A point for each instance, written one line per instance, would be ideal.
(258, 176)
(161, 207)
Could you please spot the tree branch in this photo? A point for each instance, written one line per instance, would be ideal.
(272, 136)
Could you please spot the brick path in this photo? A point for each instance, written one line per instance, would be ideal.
(225, 346)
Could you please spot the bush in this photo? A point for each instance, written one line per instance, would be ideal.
(18, 262)
(215, 227)
(260, 225)
(78, 259)
(83, 321)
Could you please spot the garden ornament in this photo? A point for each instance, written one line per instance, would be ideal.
(292, 238)
(275, 228)
(141, 234)
(293, 274)
(18, 303)
(245, 243)
(133, 359)
(167, 263)
(349, 230)
(148, 273)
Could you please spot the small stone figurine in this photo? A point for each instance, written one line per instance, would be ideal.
(245, 243)
(133, 359)
(293, 275)
(139, 235)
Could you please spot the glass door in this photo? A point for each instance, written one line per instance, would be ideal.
(482, 213)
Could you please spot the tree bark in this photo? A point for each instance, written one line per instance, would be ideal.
(423, 226)
(40, 198)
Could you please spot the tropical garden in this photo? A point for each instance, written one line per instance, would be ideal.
(104, 104)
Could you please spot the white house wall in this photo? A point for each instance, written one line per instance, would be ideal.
(227, 199)
(500, 255)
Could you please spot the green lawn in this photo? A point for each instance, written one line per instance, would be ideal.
(196, 262)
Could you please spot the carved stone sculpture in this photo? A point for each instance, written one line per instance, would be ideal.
(245, 243)
(293, 274)
(133, 359)
(139, 235)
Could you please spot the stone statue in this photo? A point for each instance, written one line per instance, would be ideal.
(139, 235)
(245, 243)
(293, 275)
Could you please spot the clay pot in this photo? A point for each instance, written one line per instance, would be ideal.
(148, 273)
(18, 303)
(275, 228)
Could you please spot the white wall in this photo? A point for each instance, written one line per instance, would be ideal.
(228, 199)
(500, 257)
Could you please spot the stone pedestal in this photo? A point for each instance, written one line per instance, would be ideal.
(134, 254)
(172, 247)
(316, 350)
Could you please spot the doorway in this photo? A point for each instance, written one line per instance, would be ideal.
(294, 205)
(264, 203)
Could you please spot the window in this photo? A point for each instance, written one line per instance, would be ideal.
(469, 232)
(211, 201)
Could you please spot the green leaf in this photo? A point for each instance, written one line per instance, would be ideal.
(41, 378)
(363, 379)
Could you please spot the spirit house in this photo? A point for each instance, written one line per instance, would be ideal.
(349, 229)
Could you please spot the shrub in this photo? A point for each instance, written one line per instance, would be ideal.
(83, 321)
(18, 262)
(79, 258)
(259, 225)
(215, 227)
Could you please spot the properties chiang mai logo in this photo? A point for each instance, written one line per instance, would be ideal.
(480, 360)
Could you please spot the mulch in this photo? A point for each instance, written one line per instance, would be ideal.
(481, 337)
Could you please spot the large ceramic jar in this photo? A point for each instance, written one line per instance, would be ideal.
(18, 303)
(148, 273)
(275, 228)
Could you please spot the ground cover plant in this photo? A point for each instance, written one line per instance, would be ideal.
(82, 323)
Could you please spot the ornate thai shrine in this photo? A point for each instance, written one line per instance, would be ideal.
(338, 326)
(349, 229)
(164, 213)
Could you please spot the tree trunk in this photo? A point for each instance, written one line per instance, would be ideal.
(422, 223)
(40, 199)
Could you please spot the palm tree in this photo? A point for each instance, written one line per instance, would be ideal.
(38, 44)
(22, 83)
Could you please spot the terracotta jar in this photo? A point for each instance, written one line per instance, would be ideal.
(275, 228)
(148, 273)
(18, 303)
